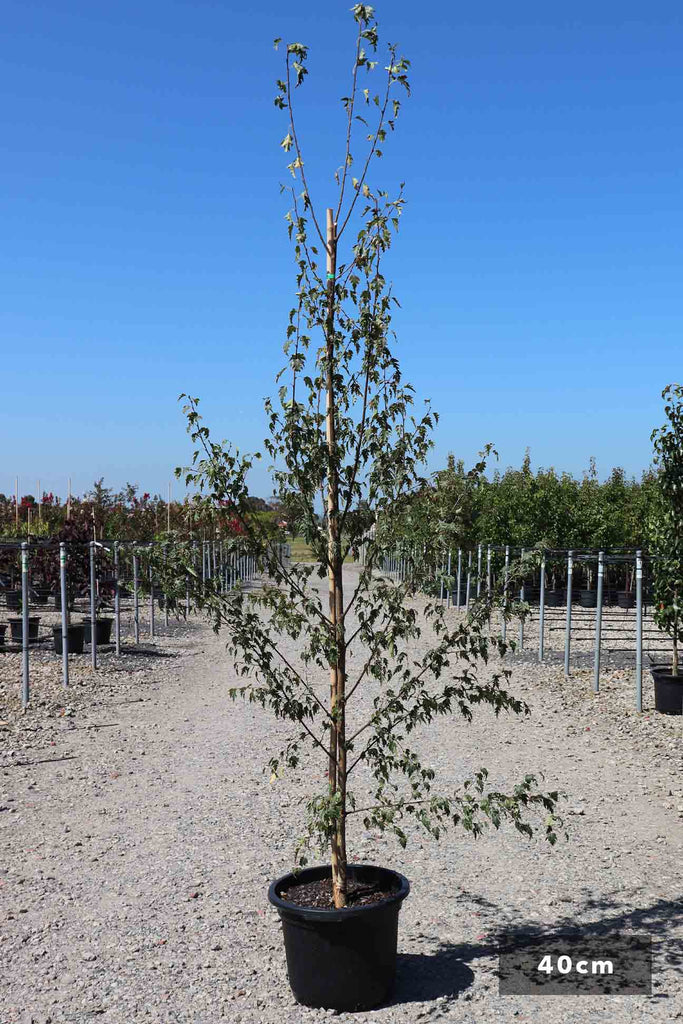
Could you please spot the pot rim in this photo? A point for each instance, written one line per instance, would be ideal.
(665, 670)
(334, 915)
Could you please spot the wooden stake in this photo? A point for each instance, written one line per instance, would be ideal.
(337, 765)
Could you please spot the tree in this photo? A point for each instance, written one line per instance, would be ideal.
(344, 437)
(667, 520)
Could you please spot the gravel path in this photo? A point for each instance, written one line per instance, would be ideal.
(138, 834)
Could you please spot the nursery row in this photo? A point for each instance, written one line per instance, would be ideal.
(116, 571)
(538, 591)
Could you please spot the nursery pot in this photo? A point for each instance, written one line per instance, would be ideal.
(13, 598)
(626, 599)
(76, 638)
(341, 959)
(555, 598)
(668, 691)
(102, 630)
(588, 598)
(40, 594)
(171, 602)
(15, 627)
(3, 627)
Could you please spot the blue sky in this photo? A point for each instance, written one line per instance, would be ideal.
(145, 252)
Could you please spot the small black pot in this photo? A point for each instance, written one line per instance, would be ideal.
(3, 627)
(171, 602)
(588, 598)
(626, 599)
(555, 598)
(668, 691)
(342, 959)
(102, 630)
(40, 594)
(13, 598)
(16, 627)
(76, 638)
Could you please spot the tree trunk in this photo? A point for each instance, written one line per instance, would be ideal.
(674, 659)
(337, 759)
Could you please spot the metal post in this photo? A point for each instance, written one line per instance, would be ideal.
(478, 572)
(457, 598)
(568, 626)
(24, 624)
(65, 614)
(598, 622)
(442, 581)
(521, 620)
(93, 620)
(488, 571)
(505, 591)
(450, 586)
(136, 600)
(541, 612)
(639, 630)
(165, 594)
(117, 601)
(469, 582)
(151, 603)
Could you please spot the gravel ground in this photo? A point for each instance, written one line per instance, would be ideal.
(138, 835)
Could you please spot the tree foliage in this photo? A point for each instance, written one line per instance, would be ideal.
(345, 438)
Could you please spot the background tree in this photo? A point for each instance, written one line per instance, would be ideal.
(667, 520)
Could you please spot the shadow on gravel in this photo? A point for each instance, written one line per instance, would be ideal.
(421, 977)
(424, 977)
(148, 652)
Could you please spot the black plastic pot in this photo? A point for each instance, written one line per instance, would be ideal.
(342, 959)
(555, 598)
(3, 627)
(102, 630)
(16, 626)
(13, 598)
(76, 638)
(668, 691)
(626, 599)
(588, 598)
(171, 602)
(40, 594)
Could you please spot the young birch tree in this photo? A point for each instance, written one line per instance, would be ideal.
(346, 442)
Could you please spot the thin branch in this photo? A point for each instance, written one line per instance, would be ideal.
(298, 153)
(352, 103)
(373, 147)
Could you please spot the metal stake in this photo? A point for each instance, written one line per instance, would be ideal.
(65, 614)
(457, 600)
(93, 622)
(469, 582)
(568, 626)
(541, 612)
(479, 571)
(151, 602)
(136, 600)
(24, 624)
(521, 620)
(598, 622)
(117, 601)
(505, 592)
(639, 630)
